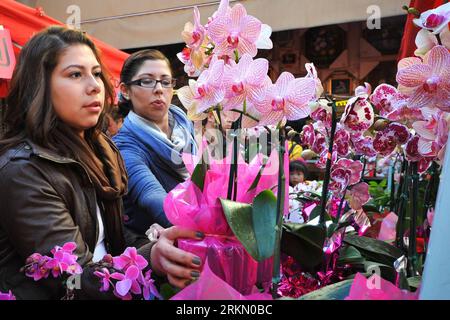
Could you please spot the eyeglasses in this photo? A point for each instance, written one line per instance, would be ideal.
(151, 83)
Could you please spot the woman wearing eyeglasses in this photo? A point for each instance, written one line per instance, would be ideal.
(152, 139)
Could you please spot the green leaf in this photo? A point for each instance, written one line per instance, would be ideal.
(239, 217)
(304, 243)
(264, 217)
(337, 291)
(167, 291)
(386, 272)
(415, 282)
(254, 226)
(198, 176)
(373, 249)
(350, 255)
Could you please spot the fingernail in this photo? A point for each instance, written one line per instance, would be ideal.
(195, 274)
(197, 261)
(199, 234)
(188, 283)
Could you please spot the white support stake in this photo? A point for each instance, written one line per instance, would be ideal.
(436, 275)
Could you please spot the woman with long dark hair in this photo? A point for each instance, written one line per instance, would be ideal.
(61, 179)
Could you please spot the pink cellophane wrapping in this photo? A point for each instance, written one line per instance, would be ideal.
(227, 259)
(210, 287)
(188, 207)
(376, 288)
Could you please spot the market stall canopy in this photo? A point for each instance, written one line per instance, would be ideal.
(137, 23)
(23, 22)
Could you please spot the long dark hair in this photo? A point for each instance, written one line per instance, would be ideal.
(30, 113)
(131, 66)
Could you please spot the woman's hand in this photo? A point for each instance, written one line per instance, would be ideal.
(181, 267)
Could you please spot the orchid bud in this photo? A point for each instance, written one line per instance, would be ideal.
(380, 124)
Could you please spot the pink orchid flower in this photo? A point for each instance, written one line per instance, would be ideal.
(342, 142)
(194, 34)
(64, 261)
(435, 19)
(149, 290)
(358, 195)
(105, 278)
(308, 135)
(358, 113)
(344, 173)
(287, 99)
(235, 30)
(7, 296)
(129, 258)
(206, 92)
(428, 81)
(323, 158)
(127, 282)
(387, 140)
(425, 41)
(393, 105)
(244, 81)
(412, 154)
(319, 144)
(363, 145)
(36, 267)
(433, 135)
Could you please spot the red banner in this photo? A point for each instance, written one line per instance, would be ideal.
(7, 58)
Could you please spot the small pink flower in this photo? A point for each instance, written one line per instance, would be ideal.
(149, 290)
(129, 258)
(127, 282)
(105, 278)
(7, 296)
(320, 144)
(308, 135)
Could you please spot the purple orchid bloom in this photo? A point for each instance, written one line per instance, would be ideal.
(105, 278)
(7, 296)
(149, 290)
(128, 258)
(127, 282)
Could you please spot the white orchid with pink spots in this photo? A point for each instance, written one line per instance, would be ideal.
(434, 20)
(358, 114)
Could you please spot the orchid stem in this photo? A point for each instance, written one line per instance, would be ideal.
(413, 222)
(338, 215)
(326, 180)
(280, 212)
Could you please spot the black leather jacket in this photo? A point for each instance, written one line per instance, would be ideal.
(48, 200)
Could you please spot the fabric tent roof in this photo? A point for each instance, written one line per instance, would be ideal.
(23, 21)
(137, 23)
